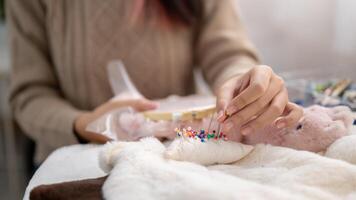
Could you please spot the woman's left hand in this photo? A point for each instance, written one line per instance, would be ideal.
(255, 100)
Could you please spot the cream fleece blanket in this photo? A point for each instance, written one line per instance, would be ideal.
(260, 172)
(150, 170)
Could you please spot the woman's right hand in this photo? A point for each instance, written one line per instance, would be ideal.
(83, 120)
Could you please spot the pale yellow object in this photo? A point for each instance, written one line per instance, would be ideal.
(182, 116)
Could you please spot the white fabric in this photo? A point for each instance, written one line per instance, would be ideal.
(215, 152)
(140, 171)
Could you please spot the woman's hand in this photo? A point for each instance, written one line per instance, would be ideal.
(254, 100)
(83, 120)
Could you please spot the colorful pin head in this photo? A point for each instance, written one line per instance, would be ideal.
(202, 135)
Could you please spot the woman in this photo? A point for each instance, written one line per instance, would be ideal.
(60, 50)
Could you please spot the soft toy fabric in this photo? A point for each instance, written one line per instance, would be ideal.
(317, 130)
(343, 149)
(220, 151)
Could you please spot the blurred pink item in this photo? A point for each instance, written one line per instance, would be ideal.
(318, 128)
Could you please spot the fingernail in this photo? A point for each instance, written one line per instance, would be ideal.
(281, 124)
(246, 130)
(228, 126)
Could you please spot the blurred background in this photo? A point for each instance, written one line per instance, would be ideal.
(299, 38)
(304, 38)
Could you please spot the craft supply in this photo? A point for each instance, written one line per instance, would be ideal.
(340, 87)
(349, 99)
(202, 135)
(332, 92)
(183, 109)
(211, 120)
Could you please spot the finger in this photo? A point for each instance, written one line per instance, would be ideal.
(251, 110)
(224, 97)
(144, 105)
(244, 85)
(292, 117)
(258, 84)
(274, 110)
(96, 138)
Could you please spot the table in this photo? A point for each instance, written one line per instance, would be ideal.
(70, 163)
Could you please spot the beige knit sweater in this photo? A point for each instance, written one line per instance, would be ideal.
(60, 49)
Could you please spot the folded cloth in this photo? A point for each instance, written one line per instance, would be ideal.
(88, 189)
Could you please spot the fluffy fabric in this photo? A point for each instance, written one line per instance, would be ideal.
(266, 172)
(343, 149)
(317, 130)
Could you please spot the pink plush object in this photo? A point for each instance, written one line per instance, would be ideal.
(318, 128)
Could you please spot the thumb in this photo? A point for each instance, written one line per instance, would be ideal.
(144, 105)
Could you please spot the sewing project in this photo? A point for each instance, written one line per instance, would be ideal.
(318, 128)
